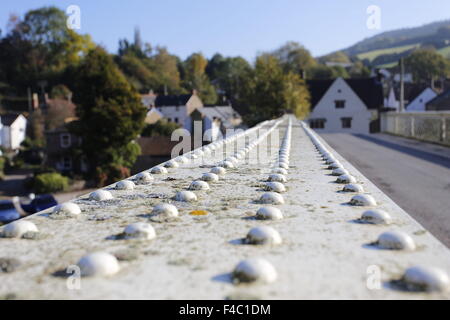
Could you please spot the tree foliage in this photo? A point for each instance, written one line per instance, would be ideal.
(110, 115)
(271, 91)
(427, 64)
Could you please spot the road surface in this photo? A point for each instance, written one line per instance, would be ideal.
(416, 175)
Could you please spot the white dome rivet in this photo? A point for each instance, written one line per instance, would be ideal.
(280, 170)
(396, 240)
(185, 196)
(199, 185)
(101, 195)
(140, 230)
(353, 187)
(98, 264)
(363, 200)
(18, 228)
(339, 172)
(254, 270)
(269, 213)
(419, 278)
(158, 170)
(171, 164)
(226, 164)
(219, 171)
(67, 209)
(165, 209)
(210, 177)
(263, 235)
(376, 217)
(182, 159)
(275, 187)
(277, 177)
(271, 198)
(125, 185)
(143, 178)
(283, 165)
(346, 178)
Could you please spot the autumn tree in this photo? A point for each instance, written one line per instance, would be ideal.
(195, 78)
(294, 57)
(271, 91)
(111, 116)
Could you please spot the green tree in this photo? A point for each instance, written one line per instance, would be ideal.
(160, 128)
(227, 74)
(111, 116)
(294, 57)
(322, 71)
(271, 91)
(427, 65)
(195, 78)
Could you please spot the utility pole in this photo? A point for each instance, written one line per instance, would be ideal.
(402, 87)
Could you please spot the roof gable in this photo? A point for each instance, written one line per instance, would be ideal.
(368, 90)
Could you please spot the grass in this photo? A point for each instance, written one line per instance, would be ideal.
(371, 55)
(445, 51)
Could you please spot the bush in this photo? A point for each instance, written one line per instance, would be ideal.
(160, 128)
(2, 168)
(50, 182)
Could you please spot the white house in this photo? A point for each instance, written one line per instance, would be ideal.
(420, 101)
(344, 105)
(185, 109)
(12, 131)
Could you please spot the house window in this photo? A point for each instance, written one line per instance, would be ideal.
(339, 104)
(346, 123)
(176, 120)
(169, 119)
(65, 140)
(66, 163)
(317, 123)
(177, 108)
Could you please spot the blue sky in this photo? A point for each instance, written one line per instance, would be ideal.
(238, 27)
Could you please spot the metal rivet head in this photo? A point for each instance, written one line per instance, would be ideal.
(125, 185)
(17, 229)
(276, 178)
(171, 164)
(420, 278)
(165, 209)
(376, 217)
(143, 178)
(158, 170)
(339, 172)
(212, 177)
(219, 171)
(185, 196)
(101, 195)
(199, 185)
(283, 165)
(271, 198)
(275, 187)
(182, 159)
(232, 160)
(346, 178)
(334, 165)
(226, 164)
(67, 208)
(263, 235)
(140, 230)
(280, 171)
(395, 240)
(269, 213)
(98, 264)
(254, 270)
(363, 200)
(353, 187)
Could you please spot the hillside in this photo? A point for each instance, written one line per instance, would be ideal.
(386, 48)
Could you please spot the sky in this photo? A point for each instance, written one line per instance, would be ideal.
(238, 27)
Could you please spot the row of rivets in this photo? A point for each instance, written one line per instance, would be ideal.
(415, 278)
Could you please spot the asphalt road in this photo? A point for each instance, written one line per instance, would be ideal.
(414, 174)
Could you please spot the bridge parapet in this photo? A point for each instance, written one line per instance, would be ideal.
(313, 239)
